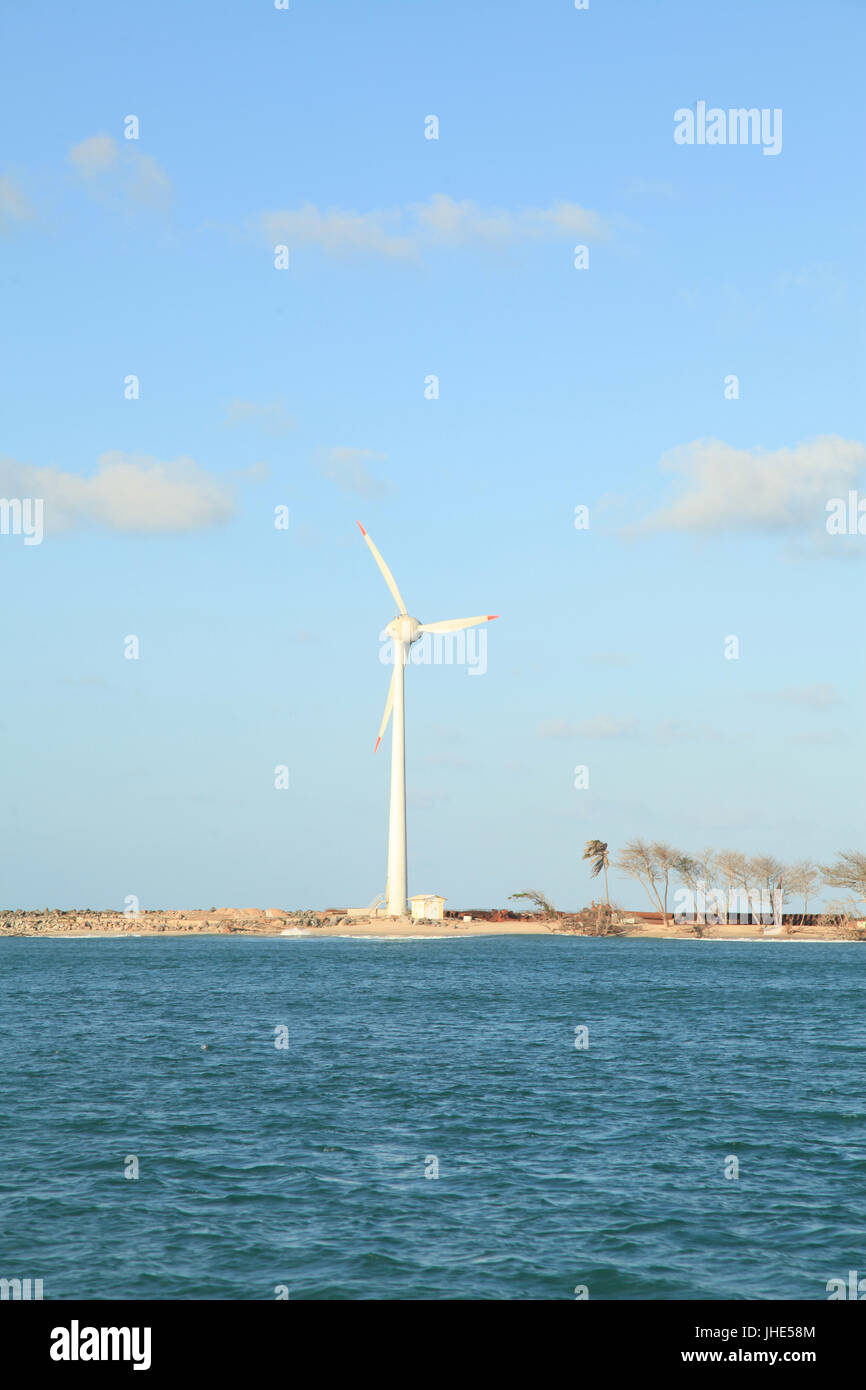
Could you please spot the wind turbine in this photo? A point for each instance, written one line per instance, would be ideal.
(403, 631)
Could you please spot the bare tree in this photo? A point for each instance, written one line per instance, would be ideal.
(804, 879)
(636, 860)
(747, 880)
(697, 872)
(653, 866)
(730, 865)
(766, 872)
(670, 861)
(849, 872)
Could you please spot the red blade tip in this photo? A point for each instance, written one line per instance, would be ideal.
(491, 616)
(360, 528)
(376, 749)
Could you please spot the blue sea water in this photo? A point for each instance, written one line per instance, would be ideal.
(558, 1167)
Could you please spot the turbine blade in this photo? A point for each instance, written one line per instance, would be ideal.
(389, 705)
(386, 573)
(454, 624)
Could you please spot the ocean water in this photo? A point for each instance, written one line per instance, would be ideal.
(302, 1169)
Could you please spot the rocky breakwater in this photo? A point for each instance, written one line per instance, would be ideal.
(82, 921)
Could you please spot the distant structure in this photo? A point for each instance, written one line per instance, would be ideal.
(427, 905)
(403, 631)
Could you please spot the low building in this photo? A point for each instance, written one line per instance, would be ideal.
(427, 906)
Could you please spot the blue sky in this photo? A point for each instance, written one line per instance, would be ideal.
(305, 387)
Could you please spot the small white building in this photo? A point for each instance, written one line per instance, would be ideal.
(427, 905)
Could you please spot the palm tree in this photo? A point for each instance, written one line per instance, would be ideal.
(596, 851)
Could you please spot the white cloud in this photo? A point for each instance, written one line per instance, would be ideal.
(147, 182)
(604, 727)
(638, 187)
(815, 697)
(128, 492)
(421, 800)
(821, 737)
(94, 155)
(273, 417)
(108, 167)
(449, 223)
(722, 487)
(15, 206)
(607, 726)
(257, 472)
(339, 233)
(684, 730)
(348, 469)
(612, 658)
(403, 233)
(446, 760)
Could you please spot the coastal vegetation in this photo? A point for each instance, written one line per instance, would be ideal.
(720, 886)
(600, 919)
(687, 894)
(543, 907)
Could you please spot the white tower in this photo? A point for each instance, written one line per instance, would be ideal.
(403, 631)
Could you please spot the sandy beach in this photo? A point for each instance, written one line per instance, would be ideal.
(274, 922)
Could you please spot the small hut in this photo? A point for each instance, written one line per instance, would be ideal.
(427, 906)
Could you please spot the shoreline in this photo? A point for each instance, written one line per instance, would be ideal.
(383, 930)
(309, 923)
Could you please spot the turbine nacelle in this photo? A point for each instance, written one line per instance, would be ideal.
(404, 629)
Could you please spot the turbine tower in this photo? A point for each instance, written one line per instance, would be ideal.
(403, 631)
